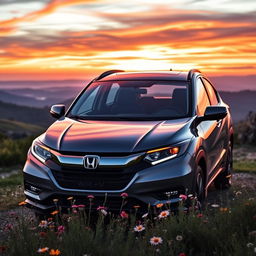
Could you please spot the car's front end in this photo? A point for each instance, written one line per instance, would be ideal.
(146, 177)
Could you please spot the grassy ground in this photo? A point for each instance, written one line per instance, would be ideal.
(217, 230)
(11, 191)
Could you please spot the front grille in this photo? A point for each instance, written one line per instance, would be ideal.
(93, 180)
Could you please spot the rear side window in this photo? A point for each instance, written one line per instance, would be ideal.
(202, 98)
(211, 92)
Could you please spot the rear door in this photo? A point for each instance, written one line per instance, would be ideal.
(213, 139)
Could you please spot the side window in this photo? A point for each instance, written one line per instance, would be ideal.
(202, 98)
(211, 92)
(112, 93)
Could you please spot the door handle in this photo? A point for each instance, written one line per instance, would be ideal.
(219, 122)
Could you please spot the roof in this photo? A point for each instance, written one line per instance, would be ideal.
(147, 75)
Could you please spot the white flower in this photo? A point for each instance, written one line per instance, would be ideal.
(43, 250)
(43, 224)
(104, 212)
(139, 228)
(249, 245)
(155, 240)
(215, 205)
(179, 238)
(145, 215)
(163, 214)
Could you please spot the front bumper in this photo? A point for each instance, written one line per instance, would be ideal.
(147, 187)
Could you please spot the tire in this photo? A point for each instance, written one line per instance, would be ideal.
(199, 187)
(223, 180)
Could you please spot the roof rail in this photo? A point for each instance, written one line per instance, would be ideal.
(191, 72)
(107, 73)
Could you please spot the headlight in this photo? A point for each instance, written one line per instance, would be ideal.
(41, 152)
(157, 156)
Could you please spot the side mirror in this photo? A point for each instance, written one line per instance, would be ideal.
(57, 111)
(214, 113)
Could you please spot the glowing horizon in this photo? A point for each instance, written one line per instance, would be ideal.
(77, 39)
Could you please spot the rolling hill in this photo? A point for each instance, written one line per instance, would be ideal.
(36, 116)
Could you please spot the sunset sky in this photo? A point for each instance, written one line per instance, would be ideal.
(77, 39)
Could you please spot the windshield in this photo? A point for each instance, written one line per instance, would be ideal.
(132, 100)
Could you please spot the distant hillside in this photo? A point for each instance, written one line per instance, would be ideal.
(30, 115)
(37, 101)
(18, 129)
(240, 103)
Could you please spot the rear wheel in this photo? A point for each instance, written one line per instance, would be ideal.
(223, 180)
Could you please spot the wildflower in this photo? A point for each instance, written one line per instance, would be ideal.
(183, 197)
(54, 252)
(74, 206)
(215, 205)
(223, 209)
(43, 224)
(8, 226)
(199, 215)
(61, 230)
(163, 214)
(101, 208)
(136, 206)
(104, 212)
(139, 228)
(54, 212)
(90, 197)
(179, 238)
(70, 198)
(124, 195)
(252, 233)
(3, 249)
(145, 215)
(81, 206)
(42, 234)
(50, 219)
(55, 200)
(43, 250)
(182, 254)
(159, 205)
(155, 240)
(22, 203)
(249, 245)
(124, 215)
(238, 193)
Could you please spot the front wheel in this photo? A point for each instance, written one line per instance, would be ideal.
(199, 187)
(223, 180)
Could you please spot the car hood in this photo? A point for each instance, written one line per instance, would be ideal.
(68, 135)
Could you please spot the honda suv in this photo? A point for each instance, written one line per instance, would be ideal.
(152, 135)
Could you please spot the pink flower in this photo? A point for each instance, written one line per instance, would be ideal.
(81, 206)
(199, 215)
(74, 206)
(183, 197)
(163, 214)
(61, 230)
(101, 208)
(155, 240)
(90, 197)
(124, 195)
(182, 254)
(124, 215)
